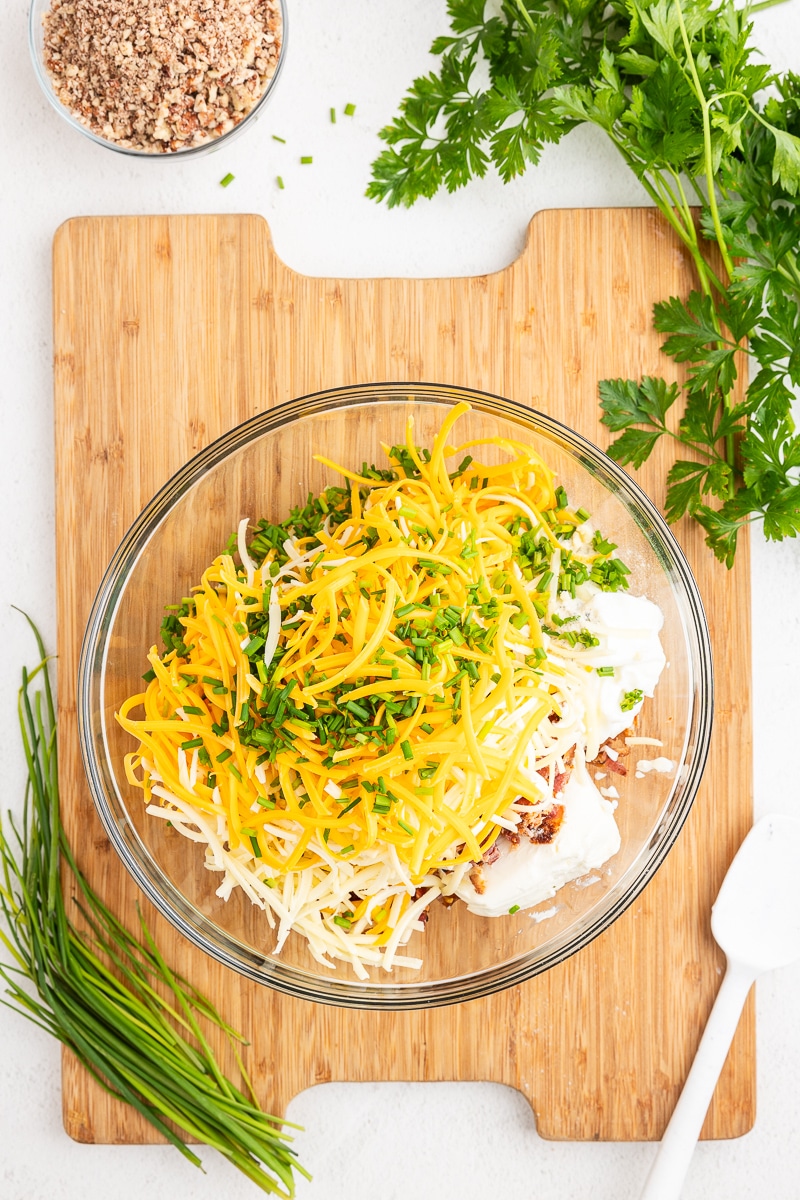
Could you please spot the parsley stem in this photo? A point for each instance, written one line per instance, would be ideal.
(705, 106)
(526, 15)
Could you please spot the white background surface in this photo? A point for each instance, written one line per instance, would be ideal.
(376, 1141)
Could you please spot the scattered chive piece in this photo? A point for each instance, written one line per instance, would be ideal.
(275, 138)
(408, 753)
(514, 909)
(280, 182)
(333, 116)
(226, 754)
(226, 179)
(605, 670)
(192, 745)
(349, 110)
(407, 828)
(306, 159)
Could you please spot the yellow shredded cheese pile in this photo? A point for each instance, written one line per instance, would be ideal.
(346, 763)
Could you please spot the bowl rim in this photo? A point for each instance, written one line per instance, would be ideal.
(263, 967)
(37, 10)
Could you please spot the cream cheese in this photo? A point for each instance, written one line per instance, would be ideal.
(528, 873)
(626, 628)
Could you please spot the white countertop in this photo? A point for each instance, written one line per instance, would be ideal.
(369, 1141)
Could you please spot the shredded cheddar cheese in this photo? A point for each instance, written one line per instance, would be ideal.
(346, 718)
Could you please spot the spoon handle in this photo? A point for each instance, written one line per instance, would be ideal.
(678, 1143)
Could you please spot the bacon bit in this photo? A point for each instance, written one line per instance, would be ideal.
(492, 854)
(477, 880)
(620, 748)
(549, 825)
(559, 779)
(541, 826)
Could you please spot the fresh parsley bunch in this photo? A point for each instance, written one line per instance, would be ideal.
(677, 87)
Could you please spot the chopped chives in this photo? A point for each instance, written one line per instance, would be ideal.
(333, 116)
(407, 828)
(280, 182)
(514, 909)
(226, 179)
(226, 754)
(408, 753)
(349, 110)
(275, 138)
(347, 849)
(194, 744)
(306, 159)
(605, 670)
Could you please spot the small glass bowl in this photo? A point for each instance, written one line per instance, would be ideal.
(264, 467)
(36, 15)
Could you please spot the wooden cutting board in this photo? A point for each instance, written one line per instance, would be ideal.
(169, 331)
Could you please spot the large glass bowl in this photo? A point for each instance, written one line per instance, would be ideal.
(262, 468)
(36, 15)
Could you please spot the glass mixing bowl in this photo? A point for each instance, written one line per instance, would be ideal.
(36, 15)
(264, 467)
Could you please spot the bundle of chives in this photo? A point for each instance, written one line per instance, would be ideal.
(98, 992)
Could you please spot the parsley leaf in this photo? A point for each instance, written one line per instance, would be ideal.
(674, 87)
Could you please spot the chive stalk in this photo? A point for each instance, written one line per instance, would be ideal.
(108, 995)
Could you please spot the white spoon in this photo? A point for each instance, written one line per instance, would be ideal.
(756, 921)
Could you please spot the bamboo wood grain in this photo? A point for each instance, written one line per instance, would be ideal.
(169, 331)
